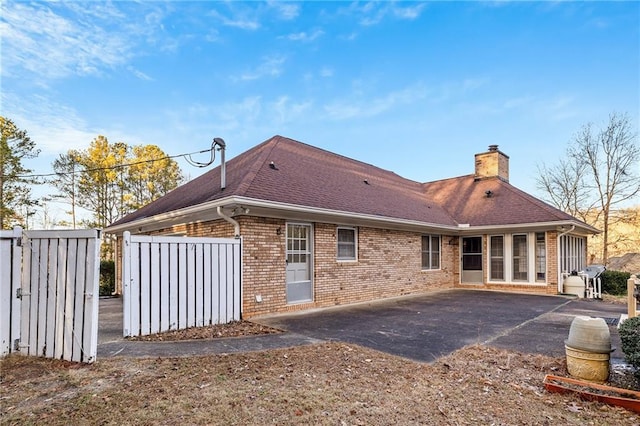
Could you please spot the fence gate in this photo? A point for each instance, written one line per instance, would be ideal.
(171, 283)
(49, 292)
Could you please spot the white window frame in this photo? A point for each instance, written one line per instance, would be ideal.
(526, 257)
(503, 257)
(430, 251)
(353, 258)
(538, 257)
(532, 258)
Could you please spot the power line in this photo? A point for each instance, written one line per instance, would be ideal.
(186, 156)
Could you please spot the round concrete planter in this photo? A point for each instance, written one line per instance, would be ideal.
(589, 334)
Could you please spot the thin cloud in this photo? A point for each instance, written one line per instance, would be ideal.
(373, 13)
(287, 111)
(56, 128)
(285, 10)
(270, 67)
(343, 110)
(241, 21)
(139, 74)
(326, 72)
(59, 40)
(305, 36)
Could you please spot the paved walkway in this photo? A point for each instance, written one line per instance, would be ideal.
(421, 327)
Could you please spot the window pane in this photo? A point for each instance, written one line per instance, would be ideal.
(430, 252)
(472, 262)
(346, 235)
(346, 244)
(520, 272)
(541, 257)
(497, 257)
(435, 260)
(497, 269)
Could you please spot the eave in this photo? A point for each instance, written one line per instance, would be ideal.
(236, 206)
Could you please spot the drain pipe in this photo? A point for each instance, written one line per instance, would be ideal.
(236, 225)
(558, 254)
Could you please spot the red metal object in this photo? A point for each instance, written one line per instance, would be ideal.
(589, 391)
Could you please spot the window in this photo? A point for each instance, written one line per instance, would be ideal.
(541, 257)
(573, 253)
(347, 244)
(496, 267)
(520, 258)
(430, 252)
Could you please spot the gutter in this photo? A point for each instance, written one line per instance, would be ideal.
(560, 283)
(236, 225)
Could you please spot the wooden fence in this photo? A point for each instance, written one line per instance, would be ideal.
(53, 294)
(172, 283)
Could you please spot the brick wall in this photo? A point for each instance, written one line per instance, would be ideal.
(388, 265)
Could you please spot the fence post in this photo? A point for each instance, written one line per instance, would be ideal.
(126, 283)
(631, 300)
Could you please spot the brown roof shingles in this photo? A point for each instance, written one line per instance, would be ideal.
(468, 201)
(307, 176)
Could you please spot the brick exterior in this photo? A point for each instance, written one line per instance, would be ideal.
(388, 264)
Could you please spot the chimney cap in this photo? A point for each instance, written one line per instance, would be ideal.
(493, 148)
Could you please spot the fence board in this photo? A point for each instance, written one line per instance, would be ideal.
(215, 293)
(67, 339)
(10, 284)
(181, 282)
(191, 286)
(206, 277)
(5, 294)
(43, 296)
(145, 290)
(78, 290)
(154, 287)
(164, 287)
(199, 286)
(173, 286)
(52, 299)
(182, 292)
(222, 278)
(63, 245)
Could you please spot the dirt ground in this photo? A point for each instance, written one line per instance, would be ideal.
(329, 383)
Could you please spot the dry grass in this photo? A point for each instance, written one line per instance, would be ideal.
(332, 383)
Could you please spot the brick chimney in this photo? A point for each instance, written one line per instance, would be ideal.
(492, 163)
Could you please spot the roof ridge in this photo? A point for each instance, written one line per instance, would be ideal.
(446, 179)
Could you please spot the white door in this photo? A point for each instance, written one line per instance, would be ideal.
(299, 255)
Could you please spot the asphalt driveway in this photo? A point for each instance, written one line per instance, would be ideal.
(426, 327)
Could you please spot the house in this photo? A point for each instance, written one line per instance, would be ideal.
(319, 229)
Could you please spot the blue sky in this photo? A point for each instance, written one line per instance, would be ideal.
(413, 87)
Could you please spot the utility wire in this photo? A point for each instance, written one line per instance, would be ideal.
(187, 157)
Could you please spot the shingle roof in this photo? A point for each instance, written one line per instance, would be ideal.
(282, 170)
(468, 201)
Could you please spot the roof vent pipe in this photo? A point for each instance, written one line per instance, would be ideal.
(223, 168)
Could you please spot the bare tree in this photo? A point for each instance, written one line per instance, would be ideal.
(565, 187)
(598, 175)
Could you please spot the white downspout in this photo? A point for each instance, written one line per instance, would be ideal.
(236, 225)
(558, 255)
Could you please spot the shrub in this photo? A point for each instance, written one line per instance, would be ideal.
(107, 277)
(615, 282)
(630, 338)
